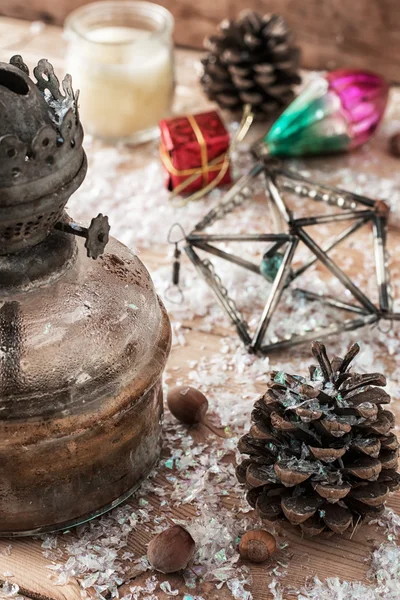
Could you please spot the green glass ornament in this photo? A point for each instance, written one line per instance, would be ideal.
(270, 266)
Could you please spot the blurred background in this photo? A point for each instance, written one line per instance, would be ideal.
(331, 33)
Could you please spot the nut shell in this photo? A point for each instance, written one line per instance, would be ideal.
(187, 404)
(171, 550)
(257, 545)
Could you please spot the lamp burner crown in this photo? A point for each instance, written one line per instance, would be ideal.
(41, 157)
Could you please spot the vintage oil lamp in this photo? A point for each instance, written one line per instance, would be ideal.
(83, 343)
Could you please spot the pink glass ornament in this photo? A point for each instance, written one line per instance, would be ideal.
(364, 97)
(334, 113)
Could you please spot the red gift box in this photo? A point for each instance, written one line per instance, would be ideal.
(188, 145)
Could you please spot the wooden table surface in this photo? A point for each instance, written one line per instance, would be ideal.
(323, 557)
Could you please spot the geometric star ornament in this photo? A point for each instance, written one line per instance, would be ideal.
(277, 264)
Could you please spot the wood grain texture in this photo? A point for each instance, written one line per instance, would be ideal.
(325, 557)
(331, 33)
(30, 571)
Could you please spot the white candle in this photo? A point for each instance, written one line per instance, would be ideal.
(126, 80)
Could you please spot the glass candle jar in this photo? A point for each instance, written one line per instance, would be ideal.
(120, 56)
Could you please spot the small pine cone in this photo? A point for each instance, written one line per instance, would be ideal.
(322, 453)
(251, 61)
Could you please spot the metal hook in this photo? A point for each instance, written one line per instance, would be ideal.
(170, 240)
(169, 294)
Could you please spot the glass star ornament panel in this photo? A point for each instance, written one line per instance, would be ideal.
(332, 206)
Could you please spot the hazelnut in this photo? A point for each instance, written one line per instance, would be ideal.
(171, 550)
(187, 404)
(257, 545)
(190, 406)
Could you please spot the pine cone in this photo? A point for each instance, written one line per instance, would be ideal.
(322, 453)
(251, 61)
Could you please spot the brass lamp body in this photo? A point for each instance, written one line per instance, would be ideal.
(83, 342)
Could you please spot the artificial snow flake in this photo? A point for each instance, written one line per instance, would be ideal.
(275, 589)
(10, 590)
(165, 586)
(94, 552)
(390, 522)
(384, 573)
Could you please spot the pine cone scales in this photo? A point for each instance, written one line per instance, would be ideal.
(322, 453)
(251, 61)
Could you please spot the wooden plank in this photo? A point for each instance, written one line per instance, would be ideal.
(22, 562)
(332, 34)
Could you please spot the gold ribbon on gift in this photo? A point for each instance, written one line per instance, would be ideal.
(220, 163)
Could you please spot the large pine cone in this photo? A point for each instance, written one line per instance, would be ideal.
(321, 450)
(251, 61)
